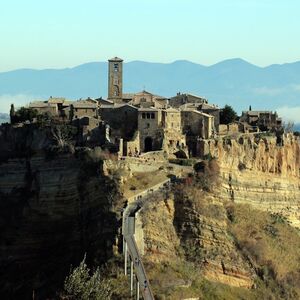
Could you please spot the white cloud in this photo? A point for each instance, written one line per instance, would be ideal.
(268, 91)
(296, 87)
(18, 100)
(289, 113)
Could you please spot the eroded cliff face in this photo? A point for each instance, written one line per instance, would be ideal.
(192, 223)
(258, 171)
(53, 209)
(182, 229)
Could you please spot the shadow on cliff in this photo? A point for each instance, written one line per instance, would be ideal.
(52, 211)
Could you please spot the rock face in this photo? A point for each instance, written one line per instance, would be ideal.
(192, 224)
(258, 171)
(52, 211)
(175, 229)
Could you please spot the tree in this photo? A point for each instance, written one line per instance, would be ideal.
(82, 285)
(227, 115)
(24, 114)
(63, 134)
(71, 113)
(12, 113)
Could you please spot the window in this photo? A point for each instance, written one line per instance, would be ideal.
(148, 115)
(152, 116)
(148, 125)
(143, 116)
(116, 90)
(116, 67)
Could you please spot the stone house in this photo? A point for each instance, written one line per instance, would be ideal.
(212, 110)
(197, 123)
(173, 138)
(160, 129)
(196, 126)
(264, 120)
(83, 108)
(181, 99)
(44, 107)
(121, 118)
(150, 129)
(145, 99)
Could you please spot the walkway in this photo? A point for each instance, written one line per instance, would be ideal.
(130, 247)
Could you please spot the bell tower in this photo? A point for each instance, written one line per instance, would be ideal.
(115, 79)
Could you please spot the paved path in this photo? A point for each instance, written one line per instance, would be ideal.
(135, 203)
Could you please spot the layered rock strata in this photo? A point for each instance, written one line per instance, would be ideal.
(261, 172)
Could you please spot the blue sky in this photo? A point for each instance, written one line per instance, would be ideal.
(55, 34)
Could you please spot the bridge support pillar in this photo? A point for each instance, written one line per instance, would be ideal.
(137, 289)
(131, 277)
(125, 257)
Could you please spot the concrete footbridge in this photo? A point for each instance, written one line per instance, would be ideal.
(133, 265)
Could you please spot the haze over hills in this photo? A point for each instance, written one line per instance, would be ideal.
(235, 82)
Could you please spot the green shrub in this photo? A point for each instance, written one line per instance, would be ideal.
(24, 114)
(82, 285)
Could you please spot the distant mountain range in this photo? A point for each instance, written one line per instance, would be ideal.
(4, 118)
(235, 82)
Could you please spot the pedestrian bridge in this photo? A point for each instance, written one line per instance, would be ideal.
(133, 264)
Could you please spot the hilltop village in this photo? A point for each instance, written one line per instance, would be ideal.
(156, 189)
(142, 122)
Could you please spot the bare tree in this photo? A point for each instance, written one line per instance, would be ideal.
(289, 127)
(61, 135)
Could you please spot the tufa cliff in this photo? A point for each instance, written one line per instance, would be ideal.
(229, 233)
(55, 205)
(261, 171)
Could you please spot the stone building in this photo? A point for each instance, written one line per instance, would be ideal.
(54, 106)
(44, 108)
(212, 110)
(264, 120)
(150, 129)
(196, 126)
(173, 138)
(145, 99)
(121, 118)
(181, 99)
(115, 79)
(84, 108)
(160, 129)
(197, 123)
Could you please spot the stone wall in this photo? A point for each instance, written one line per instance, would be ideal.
(132, 148)
(228, 129)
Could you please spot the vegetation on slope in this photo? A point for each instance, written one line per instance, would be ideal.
(272, 246)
